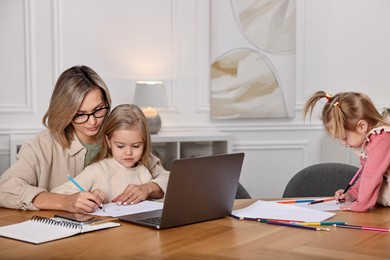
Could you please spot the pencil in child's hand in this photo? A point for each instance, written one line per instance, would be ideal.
(351, 183)
(320, 201)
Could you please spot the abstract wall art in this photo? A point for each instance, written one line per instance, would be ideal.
(253, 59)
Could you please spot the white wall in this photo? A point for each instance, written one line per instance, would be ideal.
(341, 45)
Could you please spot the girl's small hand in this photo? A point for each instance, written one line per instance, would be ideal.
(343, 197)
(133, 194)
(345, 208)
(101, 195)
(339, 195)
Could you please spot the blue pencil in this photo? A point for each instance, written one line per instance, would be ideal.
(75, 183)
(80, 188)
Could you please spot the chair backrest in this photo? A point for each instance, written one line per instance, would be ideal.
(242, 193)
(317, 180)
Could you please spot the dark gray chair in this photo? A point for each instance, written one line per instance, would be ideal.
(242, 193)
(318, 180)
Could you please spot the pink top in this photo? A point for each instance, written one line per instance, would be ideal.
(372, 185)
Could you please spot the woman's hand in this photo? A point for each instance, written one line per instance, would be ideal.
(136, 193)
(82, 202)
(101, 195)
(79, 202)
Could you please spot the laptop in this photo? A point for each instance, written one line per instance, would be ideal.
(199, 189)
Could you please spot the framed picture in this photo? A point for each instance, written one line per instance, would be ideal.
(253, 59)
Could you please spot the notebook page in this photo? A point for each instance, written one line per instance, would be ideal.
(37, 232)
(43, 230)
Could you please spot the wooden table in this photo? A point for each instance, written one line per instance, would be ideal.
(225, 238)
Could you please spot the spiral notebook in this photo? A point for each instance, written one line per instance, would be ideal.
(39, 230)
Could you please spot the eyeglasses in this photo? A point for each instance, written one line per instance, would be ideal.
(98, 113)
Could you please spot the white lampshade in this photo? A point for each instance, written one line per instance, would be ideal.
(149, 94)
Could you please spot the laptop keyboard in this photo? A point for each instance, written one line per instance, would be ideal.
(153, 220)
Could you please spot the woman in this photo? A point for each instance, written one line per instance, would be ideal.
(78, 107)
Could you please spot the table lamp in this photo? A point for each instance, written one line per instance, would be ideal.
(149, 94)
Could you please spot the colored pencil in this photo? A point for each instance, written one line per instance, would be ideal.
(103, 221)
(297, 226)
(284, 222)
(351, 182)
(323, 200)
(265, 220)
(295, 201)
(364, 228)
(322, 223)
(75, 183)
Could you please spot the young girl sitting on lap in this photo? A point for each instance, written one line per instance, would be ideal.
(120, 173)
(353, 119)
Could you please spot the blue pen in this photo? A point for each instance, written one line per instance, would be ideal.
(80, 188)
(75, 183)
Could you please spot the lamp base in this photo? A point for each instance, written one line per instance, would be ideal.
(153, 118)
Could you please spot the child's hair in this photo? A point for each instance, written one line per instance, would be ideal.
(125, 116)
(343, 111)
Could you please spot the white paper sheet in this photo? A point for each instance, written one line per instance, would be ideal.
(115, 210)
(272, 210)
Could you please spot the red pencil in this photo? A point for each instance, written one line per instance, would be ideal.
(364, 228)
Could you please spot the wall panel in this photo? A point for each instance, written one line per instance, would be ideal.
(125, 41)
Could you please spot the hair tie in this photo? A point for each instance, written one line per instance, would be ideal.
(336, 104)
(328, 96)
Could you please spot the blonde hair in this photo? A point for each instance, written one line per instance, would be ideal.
(125, 116)
(69, 92)
(343, 111)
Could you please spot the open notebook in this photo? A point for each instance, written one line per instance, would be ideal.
(38, 230)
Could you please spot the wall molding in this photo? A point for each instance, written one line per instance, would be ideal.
(283, 145)
(4, 150)
(19, 130)
(203, 28)
(56, 38)
(30, 89)
(231, 127)
(271, 145)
